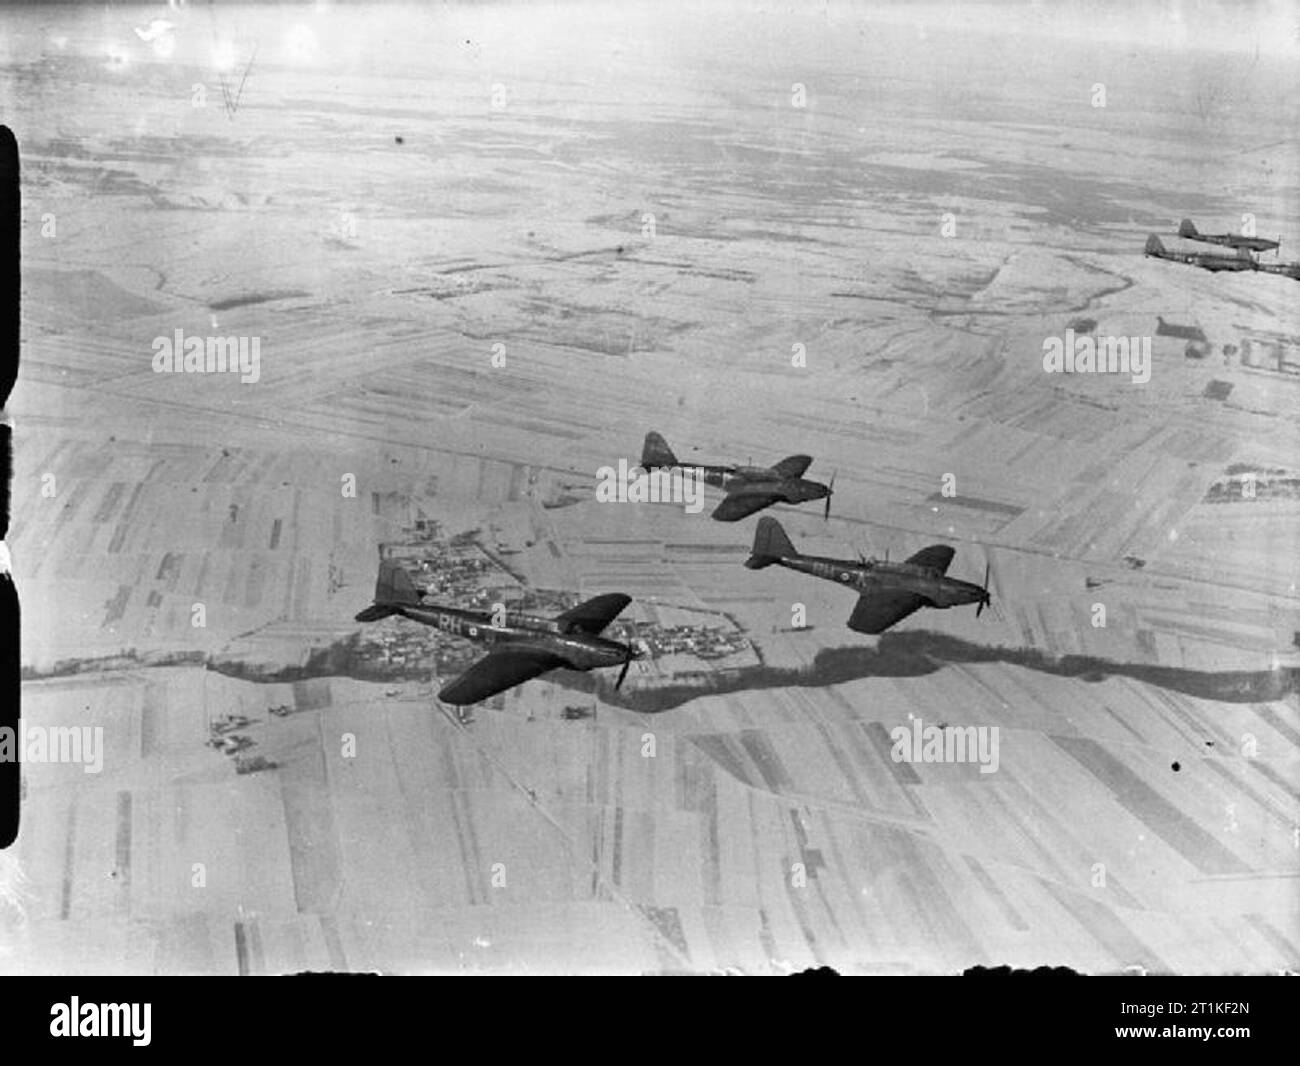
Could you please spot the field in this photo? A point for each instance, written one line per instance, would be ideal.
(482, 260)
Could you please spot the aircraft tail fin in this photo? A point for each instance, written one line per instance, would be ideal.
(771, 545)
(394, 590)
(655, 452)
(1187, 228)
(1155, 246)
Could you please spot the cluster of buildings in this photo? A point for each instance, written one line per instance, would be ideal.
(457, 570)
(1254, 485)
(446, 575)
(395, 648)
(224, 737)
(1274, 353)
(704, 642)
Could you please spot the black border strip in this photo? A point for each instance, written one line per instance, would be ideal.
(10, 254)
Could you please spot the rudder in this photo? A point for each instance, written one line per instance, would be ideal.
(393, 591)
(771, 545)
(655, 452)
(394, 587)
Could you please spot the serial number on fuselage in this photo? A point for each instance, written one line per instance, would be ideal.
(463, 627)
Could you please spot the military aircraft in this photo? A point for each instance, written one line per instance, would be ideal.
(1188, 230)
(1287, 270)
(1241, 259)
(887, 592)
(522, 646)
(748, 488)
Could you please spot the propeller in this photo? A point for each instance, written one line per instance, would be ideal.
(830, 490)
(985, 600)
(630, 652)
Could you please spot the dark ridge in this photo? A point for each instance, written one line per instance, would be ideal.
(915, 653)
(256, 298)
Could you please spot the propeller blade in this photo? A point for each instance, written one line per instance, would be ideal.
(830, 491)
(630, 653)
(984, 602)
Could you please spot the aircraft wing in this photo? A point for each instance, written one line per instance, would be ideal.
(877, 611)
(740, 504)
(936, 556)
(501, 669)
(793, 466)
(594, 615)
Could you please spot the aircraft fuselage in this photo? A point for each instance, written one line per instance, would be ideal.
(1207, 260)
(582, 651)
(763, 480)
(875, 575)
(789, 489)
(1230, 240)
(1287, 270)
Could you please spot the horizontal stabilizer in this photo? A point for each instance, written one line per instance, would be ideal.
(374, 613)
